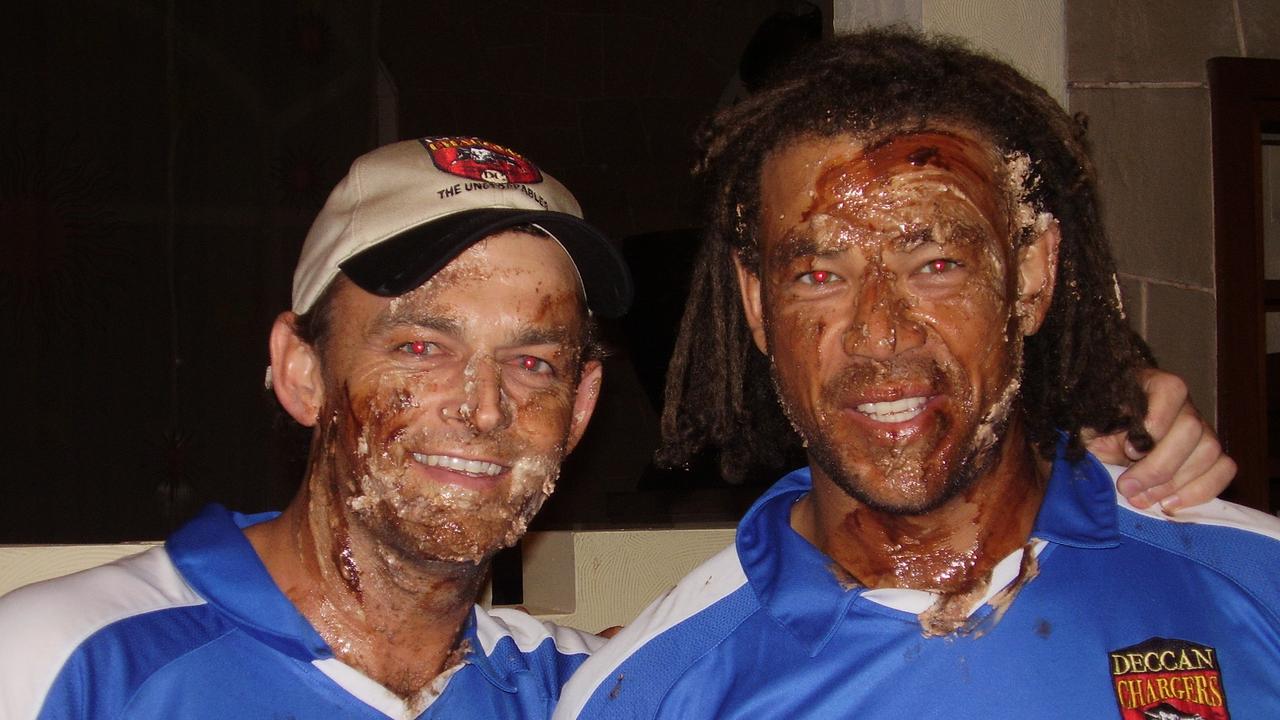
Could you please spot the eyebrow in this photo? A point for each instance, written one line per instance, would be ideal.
(402, 317)
(801, 244)
(530, 335)
(797, 245)
(525, 335)
(913, 239)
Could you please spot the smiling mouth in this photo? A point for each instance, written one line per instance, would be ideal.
(479, 468)
(894, 411)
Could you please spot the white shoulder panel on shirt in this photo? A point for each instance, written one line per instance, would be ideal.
(42, 624)
(1214, 512)
(529, 632)
(720, 576)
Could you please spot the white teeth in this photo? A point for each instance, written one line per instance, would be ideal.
(894, 410)
(457, 464)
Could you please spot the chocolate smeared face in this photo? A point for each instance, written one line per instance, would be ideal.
(447, 410)
(887, 299)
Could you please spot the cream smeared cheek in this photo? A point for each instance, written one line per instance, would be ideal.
(384, 426)
(810, 325)
(533, 479)
(1004, 358)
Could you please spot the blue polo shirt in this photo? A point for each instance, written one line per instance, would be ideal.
(197, 629)
(1122, 613)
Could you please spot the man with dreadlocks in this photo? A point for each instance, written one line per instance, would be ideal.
(907, 232)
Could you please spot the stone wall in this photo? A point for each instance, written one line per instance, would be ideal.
(1136, 69)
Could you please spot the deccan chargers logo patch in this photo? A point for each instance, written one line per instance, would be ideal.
(1163, 679)
(478, 159)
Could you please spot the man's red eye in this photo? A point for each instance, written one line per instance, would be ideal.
(940, 265)
(417, 347)
(534, 364)
(819, 278)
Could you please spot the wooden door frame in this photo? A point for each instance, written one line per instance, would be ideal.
(1244, 98)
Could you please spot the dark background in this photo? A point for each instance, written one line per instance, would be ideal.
(160, 163)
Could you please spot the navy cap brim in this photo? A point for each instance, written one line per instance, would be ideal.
(401, 263)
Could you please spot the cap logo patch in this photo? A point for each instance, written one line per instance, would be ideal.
(1168, 679)
(477, 159)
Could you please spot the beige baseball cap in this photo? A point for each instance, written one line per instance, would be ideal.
(406, 210)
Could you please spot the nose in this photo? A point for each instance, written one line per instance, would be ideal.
(881, 324)
(486, 406)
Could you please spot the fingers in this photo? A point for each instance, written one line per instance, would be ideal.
(1152, 472)
(1167, 400)
(1186, 467)
(1202, 488)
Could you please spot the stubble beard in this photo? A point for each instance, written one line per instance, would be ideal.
(971, 466)
(983, 447)
(369, 478)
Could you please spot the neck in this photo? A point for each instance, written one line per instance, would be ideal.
(950, 549)
(395, 617)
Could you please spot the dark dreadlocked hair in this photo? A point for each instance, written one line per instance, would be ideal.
(1080, 368)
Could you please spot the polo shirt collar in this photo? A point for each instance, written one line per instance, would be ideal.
(1079, 507)
(794, 581)
(218, 562)
(215, 558)
(497, 669)
(800, 586)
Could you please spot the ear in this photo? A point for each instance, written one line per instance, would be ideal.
(295, 371)
(584, 401)
(749, 287)
(1037, 273)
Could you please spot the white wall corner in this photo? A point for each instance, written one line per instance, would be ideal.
(549, 565)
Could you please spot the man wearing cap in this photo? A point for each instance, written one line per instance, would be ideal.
(440, 345)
